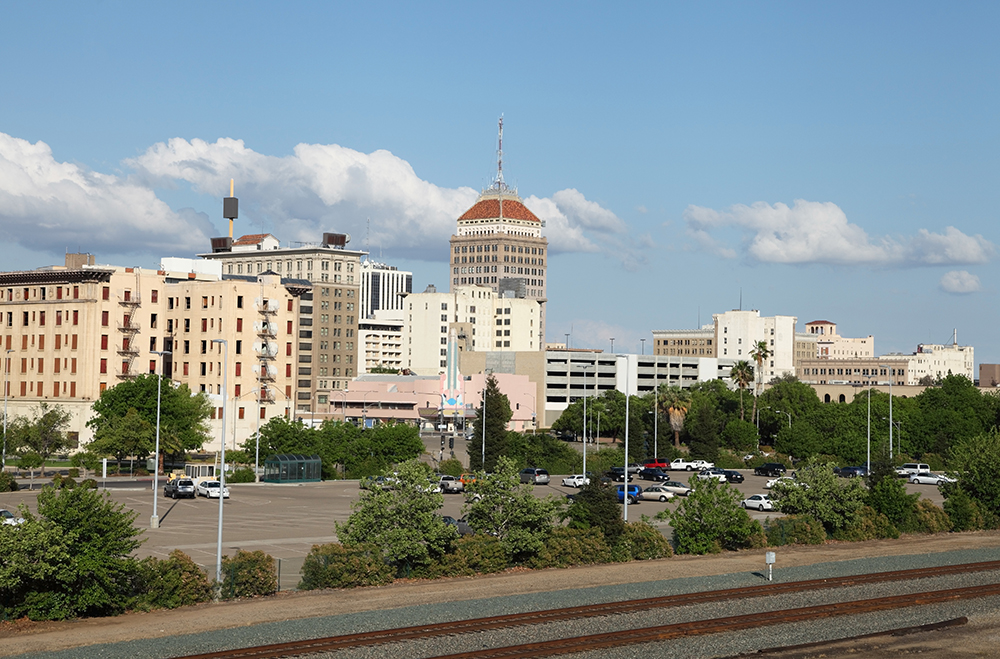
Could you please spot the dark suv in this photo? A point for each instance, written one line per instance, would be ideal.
(617, 474)
(179, 488)
(772, 469)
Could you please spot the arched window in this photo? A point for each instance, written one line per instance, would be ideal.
(826, 398)
(843, 398)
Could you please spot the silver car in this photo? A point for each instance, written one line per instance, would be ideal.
(7, 517)
(656, 493)
(929, 478)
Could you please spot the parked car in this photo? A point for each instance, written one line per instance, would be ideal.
(576, 480)
(534, 476)
(733, 476)
(374, 483)
(179, 488)
(617, 474)
(460, 524)
(772, 469)
(634, 493)
(912, 468)
(657, 464)
(780, 479)
(467, 479)
(676, 487)
(7, 517)
(657, 493)
(929, 478)
(212, 489)
(654, 474)
(680, 464)
(715, 472)
(852, 472)
(450, 484)
(634, 467)
(759, 502)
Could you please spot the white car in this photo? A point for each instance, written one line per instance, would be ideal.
(759, 502)
(7, 517)
(929, 478)
(715, 472)
(781, 479)
(576, 480)
(211, 490)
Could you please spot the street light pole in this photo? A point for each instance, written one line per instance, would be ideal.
(483, 463)
(612, 345)
(889, 371)
(643, 349)
(6, 388)
(585, 367)
(625, 493)
(222, 463)
(154, 521)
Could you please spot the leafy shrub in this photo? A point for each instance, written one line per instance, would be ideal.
(452, 467)
(472, 554)
(794, 530)
(888, 496)
(928, 518)
(763, 458)
(89, 484)
(74, 472)
(729, 460)
(932, 460)
(596, 507)
(241, 475)
(710, 520)
(641, 542)
(7, 483)
(140, 471)
(963, 511)
(868, 525)
(740, 436)
(335, 566)
(177, 581)
(248, 574)
(567, 546)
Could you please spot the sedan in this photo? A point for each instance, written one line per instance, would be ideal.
(759, 502)
(654, 474)
(576, 480)
(715, 472)
(783, 480)
(675, 487)
(656, 493)
(733, 476)
(7, 517)
(929, 478)
(211, 490)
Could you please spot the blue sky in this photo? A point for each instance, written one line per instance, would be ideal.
(833, 162)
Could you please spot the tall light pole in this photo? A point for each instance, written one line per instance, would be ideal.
(222, 462)
(889, 371)
(656, 406)
(782, 412)
(868, 465)
(625, 493)
(154, 521)
(483, 463)
(643, 349)
(585, 367)
(364, 410)
(6, 388)
(256, 457)
(612, 345)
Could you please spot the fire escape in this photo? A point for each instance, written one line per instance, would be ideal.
(128, 328)
(266, 348)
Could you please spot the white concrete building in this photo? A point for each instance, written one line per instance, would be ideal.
(737, 332)
(830, 345)
(483, 320)
(383, 288)
(381, 339)
(937, 361)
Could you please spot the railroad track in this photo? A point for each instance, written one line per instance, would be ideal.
(666, 632)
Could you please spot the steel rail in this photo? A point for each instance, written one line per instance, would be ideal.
(585, 611)
(727, 624)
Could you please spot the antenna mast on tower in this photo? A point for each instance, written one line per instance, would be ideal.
(500, 182)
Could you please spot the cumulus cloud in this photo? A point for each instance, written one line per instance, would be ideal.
(818, 232)
(47, 205)
(960, 282)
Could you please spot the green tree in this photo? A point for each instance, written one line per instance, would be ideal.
(818, 492)
(678, 402)
(742, 375)
(401, 521)
(71, 559)
(183, 414)
(710, 519)
(974, 460)
(596, 507)
(497, 415)
(760, 353)
(544, 451)
(43, 434)
(499, 505)
(125, 436)
(740, 436)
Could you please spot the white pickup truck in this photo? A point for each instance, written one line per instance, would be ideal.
(680, 464)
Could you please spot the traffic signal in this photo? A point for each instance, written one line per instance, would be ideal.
(451, 442)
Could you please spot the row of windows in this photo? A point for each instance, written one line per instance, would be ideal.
(857, 371)
(38, 389)
(683, 342)
(464, 249)
(261, 266)
(69, 340)
(58, 365)
(28, 317)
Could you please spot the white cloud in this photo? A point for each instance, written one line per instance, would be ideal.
(596, 334)
(52, 206)
(960, 282)
(818, 232)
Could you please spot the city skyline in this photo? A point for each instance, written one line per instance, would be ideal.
(826, 163)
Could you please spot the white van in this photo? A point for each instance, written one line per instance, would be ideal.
(912, 468)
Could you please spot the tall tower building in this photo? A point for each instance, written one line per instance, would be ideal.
(499, 243)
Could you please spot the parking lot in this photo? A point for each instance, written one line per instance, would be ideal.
(287, 520)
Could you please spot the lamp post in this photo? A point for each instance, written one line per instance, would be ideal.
(256, 457)
(533, 422)
(6, 388)
(585, 368)
(482, 465)
(222, 462)
(612, 345)
(364, 410)
(782, 412)
(643, 348)
(656, 407)
(889, 371)
(868, 465)
(154, 521)
(625, 493)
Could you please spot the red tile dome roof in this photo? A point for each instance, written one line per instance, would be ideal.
(489, 209)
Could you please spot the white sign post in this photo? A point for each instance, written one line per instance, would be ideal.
(769, 559)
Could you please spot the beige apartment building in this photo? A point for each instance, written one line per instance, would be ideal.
(72, 331)
(855, 371)
(328, 345)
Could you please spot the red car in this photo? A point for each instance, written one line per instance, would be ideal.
(653, 464)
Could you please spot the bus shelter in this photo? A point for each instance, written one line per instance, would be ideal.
(292, 468)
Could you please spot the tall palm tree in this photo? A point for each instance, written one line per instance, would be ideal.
(742, 375)
(678, 402)
(759, 354)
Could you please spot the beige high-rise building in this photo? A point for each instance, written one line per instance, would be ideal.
(328, 345)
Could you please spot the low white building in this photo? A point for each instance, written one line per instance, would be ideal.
(830, 345)
(737, 332)
(381, 340)
(937, 361)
